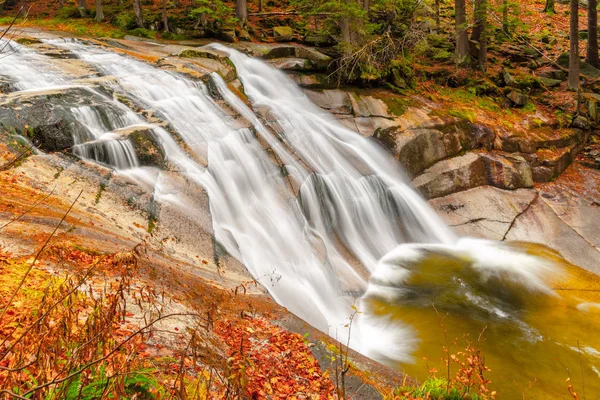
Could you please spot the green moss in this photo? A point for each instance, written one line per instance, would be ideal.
(442, 55)
(397, 105)
(464, 114)
(141, 32)
(27, 40)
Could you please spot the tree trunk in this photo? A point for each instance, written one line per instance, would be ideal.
(165, 16)
(139, 17)
(437, 16)
(592, 50)
(99, 11)
(462, 37)
(81, 7)
(478, 25)
(260, 5)
(574, 51)
(481, 28)
(241, 11)
(550, 7)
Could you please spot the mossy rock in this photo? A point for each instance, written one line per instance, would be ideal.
(148, 149)
(283, 33)
(518, 99)
(28, 40)
(319, 40)
(46, 117)
(585, 68)
(550, 83)
(201, 53)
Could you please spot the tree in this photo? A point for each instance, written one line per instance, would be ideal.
(550, 7)
(139, 16)
(505, 7)
(592, 50)
(437, 15)
(81, 8)
(478, 26)
(479, 31)
(99, 11)
(165, 16)
(241, 11)
(574, 49)
(462, 37)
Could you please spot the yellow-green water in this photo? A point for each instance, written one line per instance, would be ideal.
(532, 341)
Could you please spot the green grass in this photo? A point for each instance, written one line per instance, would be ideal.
(435, 389)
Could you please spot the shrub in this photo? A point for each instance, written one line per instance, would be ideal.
(125, 21)
(142, 32)
(67, 12)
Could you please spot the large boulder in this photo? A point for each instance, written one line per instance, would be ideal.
(418, 149)
(46, 117)
(472, 170)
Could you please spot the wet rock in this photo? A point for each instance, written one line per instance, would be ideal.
(485, 212)
(200, 53)
(518, 99)
(283, 33)
(6, 84)
(451, 176)
(418, 149)
(336, 101)
(291, 64)
(472, 170)
(311, 80)
(147, 147)
(28, 40)
(539, 223)
(46, 116)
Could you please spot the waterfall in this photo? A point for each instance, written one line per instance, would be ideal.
(323, 217)
(34, 72)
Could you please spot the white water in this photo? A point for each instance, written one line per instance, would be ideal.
(312, 235)
(30, 71)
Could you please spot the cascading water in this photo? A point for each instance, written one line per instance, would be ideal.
(33, 72)
(320, 215)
